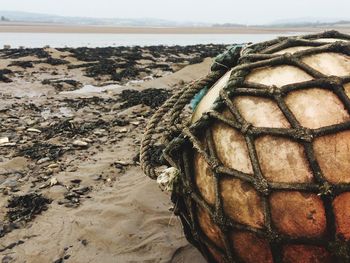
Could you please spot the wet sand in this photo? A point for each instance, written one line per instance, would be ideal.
(71, 189)
(52, 28)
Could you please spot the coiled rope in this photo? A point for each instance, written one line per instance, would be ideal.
(175, 105)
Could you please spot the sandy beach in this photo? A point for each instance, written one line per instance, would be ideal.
(71, 122)
(11, 27)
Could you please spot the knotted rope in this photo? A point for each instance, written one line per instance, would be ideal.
(175, 105)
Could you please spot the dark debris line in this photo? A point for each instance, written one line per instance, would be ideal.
(117, 63)
(26, 207)
(149, 97)
(22, 209)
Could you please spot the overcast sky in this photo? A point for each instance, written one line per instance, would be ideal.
(221, 11)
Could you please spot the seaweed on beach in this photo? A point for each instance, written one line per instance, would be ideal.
(69, 128)
(26, 207)
(83, 65)
(22, 64)
(163, 66)
(32, 107)
(104, 67)
(79, 103)
(116, 70)
(173, 59)
(196, 60)
(3, 77)
(127, 73)
(123, 63)
(24, 52)
(63, 84)
(40, 150)
(54, 61)
(149, 97)
(92, 54)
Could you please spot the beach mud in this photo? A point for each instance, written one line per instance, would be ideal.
(71, 122)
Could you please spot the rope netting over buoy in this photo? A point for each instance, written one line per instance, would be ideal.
(184, 139)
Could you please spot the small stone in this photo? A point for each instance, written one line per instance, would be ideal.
(136, 123)
(72, 169)
(121, 163)
(53, 181)
(59, 260)
(82, 190)
(21, 128)
(80, 143)
(44, 186)
(10, 183)
(87, 140)
(8, 144)
(33, 130)
(123, 130)
(75, 181)
(99, 131)
(30, 122)
(103, 139)
(52, 166)
(43, 160)
(7, 259)
(4, 140)
(96, 177)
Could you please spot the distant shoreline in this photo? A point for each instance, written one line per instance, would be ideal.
(56, 28)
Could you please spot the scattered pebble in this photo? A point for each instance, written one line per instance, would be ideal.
(33, 130)
(80, 143)
(123, 130)
(53, 181)
(43, 160)
(75, 181)
(53, 165)
(4, 140)
(8, 144)
(123, 163)
(46, 131)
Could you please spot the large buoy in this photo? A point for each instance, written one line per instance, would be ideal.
(262, 169)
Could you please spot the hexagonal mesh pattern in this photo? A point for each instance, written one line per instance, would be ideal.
(271, 228)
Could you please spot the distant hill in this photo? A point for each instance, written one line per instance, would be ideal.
(14, 16)
(297, 22)
(292, 23)
(336, 23)
(229, 25)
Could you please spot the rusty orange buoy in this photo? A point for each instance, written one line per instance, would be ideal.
(264, 164)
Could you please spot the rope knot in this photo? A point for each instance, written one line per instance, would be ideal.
(262, 186)
(246, 128)
(325, 189)
(274, 90)
(305, 135)
(335, 81)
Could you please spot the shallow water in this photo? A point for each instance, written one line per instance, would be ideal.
(33, 40)
(92, 89)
